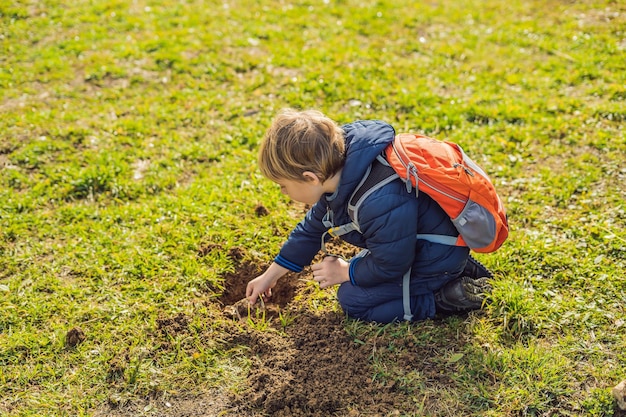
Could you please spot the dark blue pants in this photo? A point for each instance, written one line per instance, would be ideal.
(383, 303)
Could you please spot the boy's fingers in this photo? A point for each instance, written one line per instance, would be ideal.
(251, 295)
(251, 299)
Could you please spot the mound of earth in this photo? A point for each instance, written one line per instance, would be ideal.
(312, 367)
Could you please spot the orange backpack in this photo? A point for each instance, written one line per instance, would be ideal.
(443, 171)
(451, 178)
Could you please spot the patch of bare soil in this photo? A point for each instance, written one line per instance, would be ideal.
(316, 369)
(311, 367)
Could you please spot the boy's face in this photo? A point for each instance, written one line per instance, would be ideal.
(308, 192)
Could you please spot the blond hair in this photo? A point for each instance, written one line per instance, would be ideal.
(299, 141)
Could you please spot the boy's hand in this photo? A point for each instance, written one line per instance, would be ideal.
(261, 285)
(331, 271)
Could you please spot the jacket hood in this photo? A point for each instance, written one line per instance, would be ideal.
(365, 140)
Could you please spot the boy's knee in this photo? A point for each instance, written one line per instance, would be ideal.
(349, 294)
(348, 297)
(343, 294)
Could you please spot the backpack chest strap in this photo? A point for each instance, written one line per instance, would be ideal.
(342, 230)
(336, 232)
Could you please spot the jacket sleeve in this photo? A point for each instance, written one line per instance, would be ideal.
(388, 223)
(304, 241)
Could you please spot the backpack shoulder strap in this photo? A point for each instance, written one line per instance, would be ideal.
(378, 174)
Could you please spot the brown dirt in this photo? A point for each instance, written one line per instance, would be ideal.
(311, 367)
(74, 337)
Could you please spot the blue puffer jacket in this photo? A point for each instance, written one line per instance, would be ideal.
(389, 220)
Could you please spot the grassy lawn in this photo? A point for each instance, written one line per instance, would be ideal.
(129, 193)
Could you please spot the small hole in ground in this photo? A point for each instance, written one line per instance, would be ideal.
(235, 284)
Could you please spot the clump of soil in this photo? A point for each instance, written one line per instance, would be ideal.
(74, 337)
(117, 367)
(261, 211)
(172, 325)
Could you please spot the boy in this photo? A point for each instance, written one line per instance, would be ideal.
(321, 164)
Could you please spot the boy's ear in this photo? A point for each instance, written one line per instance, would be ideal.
(310, 176)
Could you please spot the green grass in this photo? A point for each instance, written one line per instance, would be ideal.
(128, 143)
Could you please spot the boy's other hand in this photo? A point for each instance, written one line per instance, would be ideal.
(331, 271)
